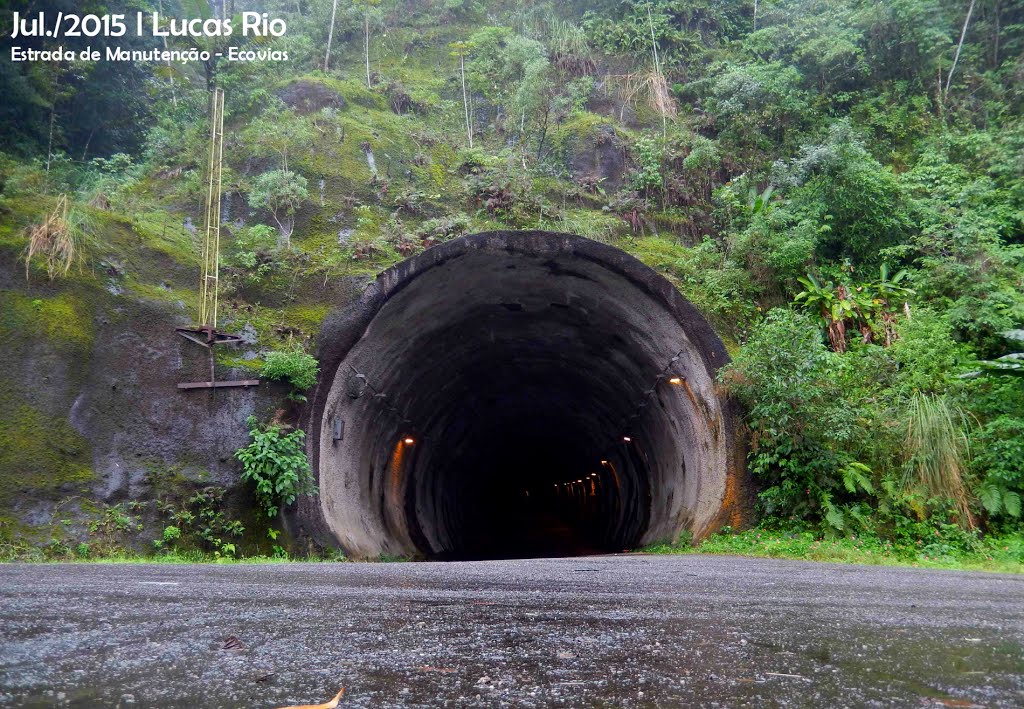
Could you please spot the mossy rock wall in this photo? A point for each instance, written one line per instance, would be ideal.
(592, 150)
(90, 412)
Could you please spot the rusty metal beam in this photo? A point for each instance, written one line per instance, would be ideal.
(217, 385)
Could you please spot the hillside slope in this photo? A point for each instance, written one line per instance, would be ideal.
(837, 185)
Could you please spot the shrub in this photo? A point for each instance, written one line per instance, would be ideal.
(646, 176)
(294, 366)
(801, 424)
(253, 247)
(927, 355)
(199, 521)
(1000, 461)
(275, 462)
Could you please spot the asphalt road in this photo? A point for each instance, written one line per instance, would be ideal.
(632, 631)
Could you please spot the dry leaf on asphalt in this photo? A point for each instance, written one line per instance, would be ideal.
(232, 643)
(326, 705)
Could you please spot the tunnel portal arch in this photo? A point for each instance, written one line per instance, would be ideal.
(516, 394)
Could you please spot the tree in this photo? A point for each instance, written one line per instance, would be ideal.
(330, 36)
(280, 192)
(367, 6)
(959, 46)
(860, 202)
(461, 50)
(279, 131)
(214, 45)
(511, 71)
(759, 108)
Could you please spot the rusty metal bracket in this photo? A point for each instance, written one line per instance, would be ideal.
(207, 336)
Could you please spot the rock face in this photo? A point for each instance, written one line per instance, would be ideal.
(307, 96)
(592, 152)
(92, 414)
(510, 376)
(130, 409)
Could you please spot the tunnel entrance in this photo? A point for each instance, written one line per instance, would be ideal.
(516, 394)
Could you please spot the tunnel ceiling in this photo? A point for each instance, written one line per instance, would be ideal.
(477, 401)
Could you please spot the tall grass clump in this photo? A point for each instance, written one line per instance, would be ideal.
(58, 240)
(937, 451)
(568, 38)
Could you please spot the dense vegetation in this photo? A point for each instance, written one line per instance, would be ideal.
(837, 184)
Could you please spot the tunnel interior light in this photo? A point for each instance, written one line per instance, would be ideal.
(627, 439)
(604, 462)
(409, 440)
(675, 380)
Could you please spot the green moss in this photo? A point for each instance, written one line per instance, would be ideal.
(163, 232)
(233, 361)
(674, 221)
(21, 211)
(150, 246)
(269, 324)
(38, 454)
(62, 318)
(307, 317)
(579, 130)
(354, 92)
(190, 298)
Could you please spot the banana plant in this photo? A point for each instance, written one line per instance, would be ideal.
(816, 296)
(884, 294)
(834, 305)
(759, 202)
(891, 289)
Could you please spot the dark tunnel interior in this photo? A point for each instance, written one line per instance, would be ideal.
(516, 465)
(503, 403)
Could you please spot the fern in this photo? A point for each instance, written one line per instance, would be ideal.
(991, 498)
(834, 516)
(996, 500)
(855, 475)
(1012, 503)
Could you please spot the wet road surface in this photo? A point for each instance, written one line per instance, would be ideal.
(631, 631)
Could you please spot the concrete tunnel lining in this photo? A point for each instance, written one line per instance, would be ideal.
(515, 362)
